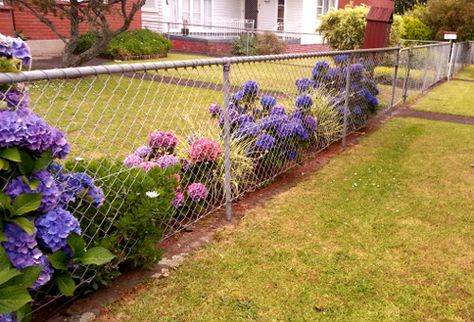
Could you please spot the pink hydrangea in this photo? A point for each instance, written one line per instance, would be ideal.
(204, 149)
(163, 140)
(178, 200)
(148, 165)
(197, 191)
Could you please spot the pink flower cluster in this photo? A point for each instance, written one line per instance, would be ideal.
(197, 191)
(163, 140)
(204, 149)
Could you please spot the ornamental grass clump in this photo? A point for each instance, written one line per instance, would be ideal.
(40, 240)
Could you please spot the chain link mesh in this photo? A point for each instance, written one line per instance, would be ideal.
(280, 110)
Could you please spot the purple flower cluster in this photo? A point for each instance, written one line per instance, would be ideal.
(277, 110)
(197, 191)
(249, 129)
(54, 227)
(47, 186)
(167, 160)
(79, 184)
(163, 140)
(304, 101)
(22, 128)
(22, 250)
(143, 151)
(265, 142)
(204, 149)
(339, 59)
(320, 69)
(14, 48)
(178, 200)
(16, 99)
(250, 88)
(305, 84)
(268, 102)
(215, 110)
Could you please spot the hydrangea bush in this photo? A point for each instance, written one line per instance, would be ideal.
(39, 237)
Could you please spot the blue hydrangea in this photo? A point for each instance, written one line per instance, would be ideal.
(54, 227)
(297, 114)
(277, 110)
(305, 84)
(75, 183)
(334, 74)
(357, 72)
(242, 119)
(268, 102)
(285, 130)
(233, 117)
(238, 96)
(310, 123)
(22, 250)
(369, 98)
(304, 101)
(265, 142)
(47, 187)
(11, 317)
(250, 88)
(272, 121)
(320, 69)
(301, 131)
(339, 59)
(369, 65)
(249, 129)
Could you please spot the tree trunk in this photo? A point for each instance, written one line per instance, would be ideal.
(70, 59)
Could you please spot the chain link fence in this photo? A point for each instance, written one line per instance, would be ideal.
(462, 57)
(171, 142)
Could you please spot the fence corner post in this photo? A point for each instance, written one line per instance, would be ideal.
(227, 151)
(395, 78)
(346, 104)
(407, 76)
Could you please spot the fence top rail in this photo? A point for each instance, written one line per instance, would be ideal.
(439, 44)
(75, 72)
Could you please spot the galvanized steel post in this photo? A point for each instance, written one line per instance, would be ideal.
(227, 156)
(395, 78)
(407, 76)
(346, 105)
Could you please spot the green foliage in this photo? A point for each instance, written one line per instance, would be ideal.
(269, 44)
(344, 29)
(245, 45)
(451, 15)
(402, 6)
(396, 31)
(134, 217)
(415, 29)
(141, 42)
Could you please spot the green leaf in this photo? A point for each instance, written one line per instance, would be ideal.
(25, 224)
(12, 154)
(96, 256)
(65, 283)
(27, 164)
(3, 237)
(4, 260)
(24, 313)
(5, 202)
(77, 245)
(59, 260)
(13, 298)
(27, 278)
(32, 184)
(26, 202)
(8, 274)
(4, 165)
(41, 163)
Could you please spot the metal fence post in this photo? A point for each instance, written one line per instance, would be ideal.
(227, 156)
(346, 104)
(451, 59)
(407, 76)
(395, 77)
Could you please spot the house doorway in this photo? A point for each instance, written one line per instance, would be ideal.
(251, 10)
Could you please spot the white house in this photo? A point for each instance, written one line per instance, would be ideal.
(300, 16)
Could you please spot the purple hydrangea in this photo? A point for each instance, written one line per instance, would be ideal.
(15, 48)
(339, 59)
(197, 191)
(10, 317)
(163, 140)
(16, 99)
(28, 130)
(297, 114)
(268, 102)
(242, 119)
(75, 183)
(320, 69)
(292, 154)
(250, 88)
(305, 84)
(357, 110)
(167, 160)
(301, 131)
(133, 160)
(54, 227)
(265, 142)
(47, 187)
(356, 70)
(341, 108)
(272, 121)
(369, 98)
(277, 110)
(237, 97)
(285, 130)
(333, 74)
(143, 151)
(178, 200)
(22, 250)
(249, 129)
(310, 123)
(215, 110)
(304, 101)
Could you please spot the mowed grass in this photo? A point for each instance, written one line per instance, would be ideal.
(381, 233)
(453, 97)
(467, 73)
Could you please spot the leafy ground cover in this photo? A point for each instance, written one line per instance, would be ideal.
(453, 97)
(383, 232)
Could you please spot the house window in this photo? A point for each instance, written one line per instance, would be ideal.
(207, 12)
(196, 11)
(281, 15)
(323, 6)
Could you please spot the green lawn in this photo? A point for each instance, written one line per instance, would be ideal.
(381, 233)
(453, 97)
(467, 72)
(171, 56)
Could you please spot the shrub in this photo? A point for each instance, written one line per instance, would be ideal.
(269, 44)
(245, 45)
(415, 29)
(141, 42)
(345, 28)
